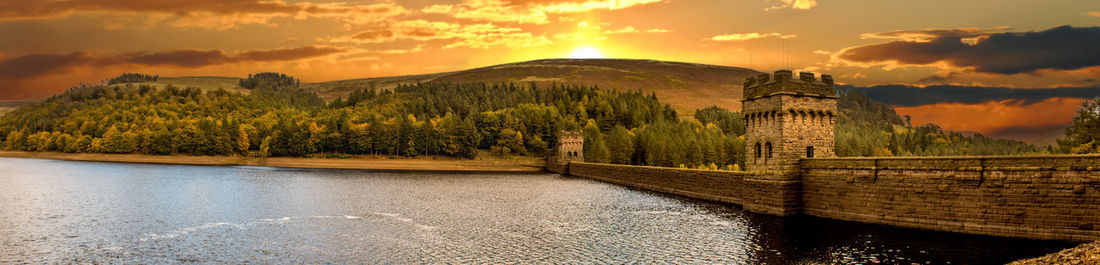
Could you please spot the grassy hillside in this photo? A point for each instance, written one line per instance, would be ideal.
(329, 90)
(686, 86)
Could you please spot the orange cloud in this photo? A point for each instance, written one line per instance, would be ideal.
(993, 117)
(411, 29)
(201, 13)
(527, 11)
(750, 36)
(631, 29)
(627, 29)
(925, 35)
(481, 36)
(1094, 14)
(794, 4)
(484, 36)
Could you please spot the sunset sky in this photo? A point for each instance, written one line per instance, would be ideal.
(1015, 69)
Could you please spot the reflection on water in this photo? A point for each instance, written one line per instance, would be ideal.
(61, 211)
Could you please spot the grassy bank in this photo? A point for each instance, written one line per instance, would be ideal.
(373, 163)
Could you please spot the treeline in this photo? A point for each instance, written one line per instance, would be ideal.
(412, 120)
(665, 143)
(132, 78)
(869, 128)
(268, 79)
(278, 119)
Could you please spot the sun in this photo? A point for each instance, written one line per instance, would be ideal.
(586, 53)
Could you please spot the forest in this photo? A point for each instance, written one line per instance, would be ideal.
(869, 128)
(438, 119)
(132, 78)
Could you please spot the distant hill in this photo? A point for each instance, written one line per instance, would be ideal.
(686, 86)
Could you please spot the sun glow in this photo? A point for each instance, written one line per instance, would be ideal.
(586, 53)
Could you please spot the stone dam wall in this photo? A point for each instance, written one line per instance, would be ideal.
(1035, 197)
(1038, 197)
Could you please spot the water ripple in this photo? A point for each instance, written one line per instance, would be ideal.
(80, 212)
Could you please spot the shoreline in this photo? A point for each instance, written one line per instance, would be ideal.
(487, 165)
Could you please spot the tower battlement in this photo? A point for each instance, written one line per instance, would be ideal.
(787, 119)
(783, 82)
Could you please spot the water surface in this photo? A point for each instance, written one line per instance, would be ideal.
(63, 211)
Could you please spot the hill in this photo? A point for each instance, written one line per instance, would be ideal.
(686, 86)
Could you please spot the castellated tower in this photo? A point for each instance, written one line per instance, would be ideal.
(787, 119)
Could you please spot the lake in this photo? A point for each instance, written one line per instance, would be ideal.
(82, 212)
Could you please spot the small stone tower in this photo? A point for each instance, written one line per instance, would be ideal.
(787, 119)
(571, 147)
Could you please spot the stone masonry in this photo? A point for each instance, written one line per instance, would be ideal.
(787, 120)
(794, 171)
(571, 146)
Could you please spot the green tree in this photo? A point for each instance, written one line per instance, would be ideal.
(509, 141)
(620, 145)
(730, 122)
(595, 147)
(1083, 135)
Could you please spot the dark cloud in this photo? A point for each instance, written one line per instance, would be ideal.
(286, 54)
(203, 13)
(1037, 135)
(375, 35)
(934, 78)
(34, 65)
(906, 95)
(926, 34)
(1060, 48)
(43, 8)
(37, 8)
(181, 58)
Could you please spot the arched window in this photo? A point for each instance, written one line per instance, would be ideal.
(809, 151)
(769, 147)
(757, 149)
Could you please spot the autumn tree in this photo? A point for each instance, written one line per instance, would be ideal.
(595, 147)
